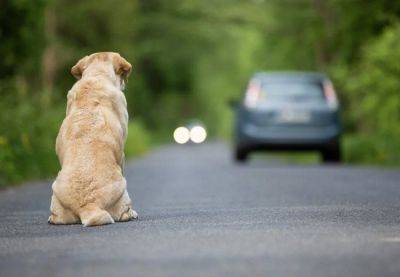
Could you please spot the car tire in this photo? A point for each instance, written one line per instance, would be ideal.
(332, 153)
(241, 155)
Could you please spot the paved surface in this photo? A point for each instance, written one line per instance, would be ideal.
(202, 215)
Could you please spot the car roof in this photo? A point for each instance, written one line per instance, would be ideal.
(290, 76)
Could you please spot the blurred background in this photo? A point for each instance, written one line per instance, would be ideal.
(190, 58)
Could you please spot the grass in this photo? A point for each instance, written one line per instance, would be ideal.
(371, 150)
(292, 157)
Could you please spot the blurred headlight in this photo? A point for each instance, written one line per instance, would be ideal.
(198, 134)
(181, 135)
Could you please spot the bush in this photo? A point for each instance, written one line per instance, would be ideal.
(138, 141)
(27, 140)
(375, 97)
(371, 150)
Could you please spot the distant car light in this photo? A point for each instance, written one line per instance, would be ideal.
(181, 135)
(198, 134)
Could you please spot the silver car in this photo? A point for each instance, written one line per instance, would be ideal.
(288, 111)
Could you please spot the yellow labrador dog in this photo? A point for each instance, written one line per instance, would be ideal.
(91, 188)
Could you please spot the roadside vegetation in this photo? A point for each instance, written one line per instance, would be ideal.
(189, 59)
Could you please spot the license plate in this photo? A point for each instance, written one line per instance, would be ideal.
(290, 116)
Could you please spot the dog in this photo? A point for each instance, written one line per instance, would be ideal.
(90, 187)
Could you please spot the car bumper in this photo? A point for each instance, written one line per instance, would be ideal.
(287, 137)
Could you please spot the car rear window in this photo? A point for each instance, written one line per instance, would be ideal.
(292, 92)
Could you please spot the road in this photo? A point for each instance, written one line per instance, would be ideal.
(202, 215)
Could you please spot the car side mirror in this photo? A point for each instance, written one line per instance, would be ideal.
(233, 103)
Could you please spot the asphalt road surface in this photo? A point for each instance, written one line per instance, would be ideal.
(202, 215)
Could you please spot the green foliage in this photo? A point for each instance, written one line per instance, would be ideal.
(189, 58)
(138, 141)
(371, 149)
(26, 132)
(375, 91)
(21, 36)
(27, 139)
(376, 85)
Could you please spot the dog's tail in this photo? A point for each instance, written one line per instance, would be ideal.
(92, 215)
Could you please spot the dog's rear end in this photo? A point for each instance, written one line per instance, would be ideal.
(90, 187)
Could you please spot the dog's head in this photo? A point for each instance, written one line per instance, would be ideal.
(121, 67)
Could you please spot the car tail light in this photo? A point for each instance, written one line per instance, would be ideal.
(253, 94)
(330, 95)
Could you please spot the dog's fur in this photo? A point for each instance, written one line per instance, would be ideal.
(91, 188)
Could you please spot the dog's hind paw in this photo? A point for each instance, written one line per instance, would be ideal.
(128, 215)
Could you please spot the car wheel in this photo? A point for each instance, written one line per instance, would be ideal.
(332, 153)
(241, 155)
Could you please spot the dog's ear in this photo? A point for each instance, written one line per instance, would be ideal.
(122, 67)
(80, 66)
